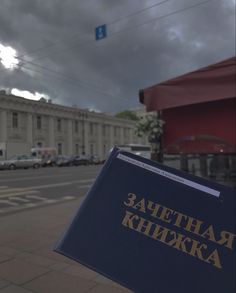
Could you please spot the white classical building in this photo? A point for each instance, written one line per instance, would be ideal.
(25, 124)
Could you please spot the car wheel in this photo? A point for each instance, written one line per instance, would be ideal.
(36, 166)
(12, 167)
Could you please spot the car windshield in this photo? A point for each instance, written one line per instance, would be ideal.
(13, 158)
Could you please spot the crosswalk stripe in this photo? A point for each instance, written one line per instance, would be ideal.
(36, 197)
(9, 190)
(4, 201)
(44, 201)
(21, 199)
(17, 193)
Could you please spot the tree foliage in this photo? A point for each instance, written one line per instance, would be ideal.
(151, 126)
(130, 115)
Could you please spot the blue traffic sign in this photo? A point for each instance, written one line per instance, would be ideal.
(100, 32)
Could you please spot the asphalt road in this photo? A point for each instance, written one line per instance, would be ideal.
(31, 188)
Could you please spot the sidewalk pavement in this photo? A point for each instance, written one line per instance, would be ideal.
(28, 264)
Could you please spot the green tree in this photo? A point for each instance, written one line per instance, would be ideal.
(127, 115)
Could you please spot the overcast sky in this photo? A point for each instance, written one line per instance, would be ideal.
(146, 43)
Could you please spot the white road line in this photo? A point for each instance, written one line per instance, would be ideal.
(24, 200)
(68, 197)
(33, 178)
(7, 192)
(16, 207)
(10, 190)
(59, 184)
(36, 197)
(23, 192)
(83, 186)
(4, 201)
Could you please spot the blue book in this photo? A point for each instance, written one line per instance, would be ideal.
(155, 229)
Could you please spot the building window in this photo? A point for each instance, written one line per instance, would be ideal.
(91, 149)
(104, 150)
(116, 131)
(104, 130)
(15, 120)
(91, 128)
(59, 148)
(39, 144)
(76, 149)
(126, 132)
(39, 122)
(58, 124)
(76, 126)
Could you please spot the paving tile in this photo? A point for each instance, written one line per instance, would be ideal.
(27, 243)
(102, 280)
(3, 283)
(4, 258)
(82, 271)
(48, 252)
(23, 255)
(60, 283)
(5, 250)
(14, 289)
(58, 266)
(38, 260)
(19, 271)
(114, 284)
(108, 289)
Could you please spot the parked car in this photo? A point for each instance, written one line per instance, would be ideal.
(78, 160)
(49, 162)
(22, 161)
(95, 160)
(63, 161)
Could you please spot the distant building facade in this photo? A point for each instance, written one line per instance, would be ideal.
(25, 124)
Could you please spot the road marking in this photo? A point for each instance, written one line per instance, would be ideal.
(13, 192)
(49, 176)
(68, 197)
(44, 201)
(24, 200)
(84, 186)
(59, 184)
(33, 178)
(11, 196)
(5, 201)
(48, 200)
(11, 189)
(7, 192)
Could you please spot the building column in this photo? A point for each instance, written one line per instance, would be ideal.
(111, 129)
(122, 135)
(100, 140)
(69, 138)
(130, 139)
(30, 129)
(85, 137)
(51, 132)
(3, 126)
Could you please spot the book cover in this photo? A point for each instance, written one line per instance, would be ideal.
(155, 229)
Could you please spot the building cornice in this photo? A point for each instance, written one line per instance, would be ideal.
(45, 108)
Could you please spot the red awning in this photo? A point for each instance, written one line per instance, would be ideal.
(215, 82)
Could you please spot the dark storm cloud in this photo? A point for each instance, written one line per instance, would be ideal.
(107, 74)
